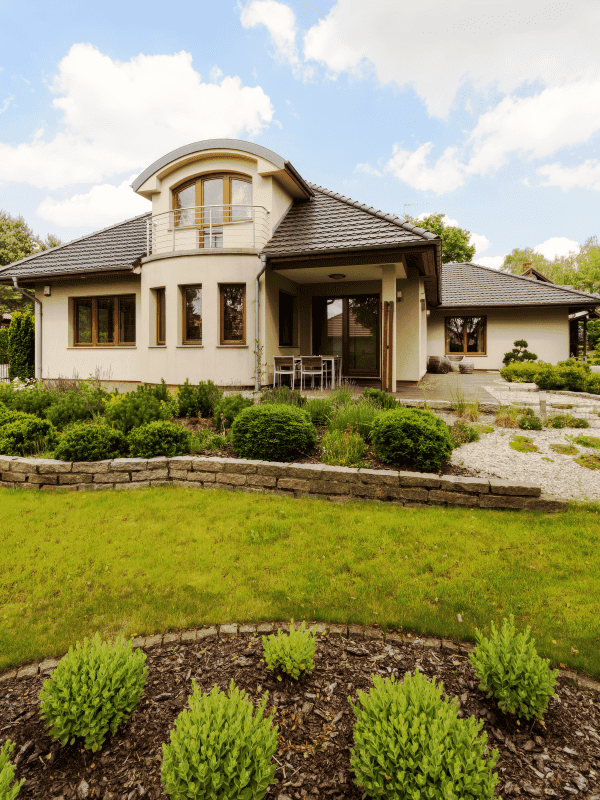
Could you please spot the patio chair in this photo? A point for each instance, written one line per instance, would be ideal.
(284, 366)
(313, 367)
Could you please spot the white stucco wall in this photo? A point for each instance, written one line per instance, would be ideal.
(411, 326)
(545, 329)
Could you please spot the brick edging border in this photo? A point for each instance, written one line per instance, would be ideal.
(414, 489)
(233, 629)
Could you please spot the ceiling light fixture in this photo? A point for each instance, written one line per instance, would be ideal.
(337, 276)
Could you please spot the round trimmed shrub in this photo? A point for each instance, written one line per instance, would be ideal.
(159, 439)
(273, 433)
(413, 437)
(22, 434)
(85, 442)
(410, 742)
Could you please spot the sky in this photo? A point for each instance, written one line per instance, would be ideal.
(487, 111)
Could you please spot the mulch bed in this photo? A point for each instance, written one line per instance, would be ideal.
(558, 759)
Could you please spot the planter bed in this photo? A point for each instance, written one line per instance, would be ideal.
(558, 759)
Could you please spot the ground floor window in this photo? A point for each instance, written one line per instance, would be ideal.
(192, 314)
(101, 321)
(466, 335)
(233, 313)
(287, 319)
(161, 316)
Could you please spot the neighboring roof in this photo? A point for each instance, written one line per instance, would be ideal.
(532, 272)
(473, 285)
(330, 222)
(219, 144)
(108, 250)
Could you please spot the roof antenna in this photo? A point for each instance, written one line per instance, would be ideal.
(406, 206)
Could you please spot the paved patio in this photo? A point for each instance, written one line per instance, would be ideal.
(442, 387)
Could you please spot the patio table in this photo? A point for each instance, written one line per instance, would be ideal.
(335, 365)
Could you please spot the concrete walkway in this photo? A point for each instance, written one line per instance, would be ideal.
(443, 387)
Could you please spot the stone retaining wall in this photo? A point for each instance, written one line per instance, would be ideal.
(299, 480)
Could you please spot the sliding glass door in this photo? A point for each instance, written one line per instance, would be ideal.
(348, 327)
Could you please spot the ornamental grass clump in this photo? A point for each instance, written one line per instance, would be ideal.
(93, 690)
(291, 653)
(159, 439)
(7, 773)
(273, 433)
(358, 416)
(410, 743)
(320, 410)
(413, 437)
(220, 749)
(510, 670)
(342, 448)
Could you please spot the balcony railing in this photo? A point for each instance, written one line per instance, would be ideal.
(208, 228)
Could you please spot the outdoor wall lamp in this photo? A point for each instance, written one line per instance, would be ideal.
(398, 296)
(47, 290)
(337, 276)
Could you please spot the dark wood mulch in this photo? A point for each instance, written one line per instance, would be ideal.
(559, 759)
(369, 459)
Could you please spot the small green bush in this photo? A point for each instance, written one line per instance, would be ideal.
(529, 422)
(519, 353)
(145, 404)
(320, 410)
(568, 375)
(93, 690)
(342, 448)
(592, 383)
(587, 441)
(358, 416)
(510, 670)
(220, 749)
(208, 441)
(228, 408)
(283, 395)
(7, 773)
(89, 442)
(463, 434)
(413, 437)
(566, 421)
(410, 743)
(380, 398)
(198, 401)
(291, 653)
(23, 434)
(273, 433)
(522, 372)
(159, 439)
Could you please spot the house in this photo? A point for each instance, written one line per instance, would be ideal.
(240, 256)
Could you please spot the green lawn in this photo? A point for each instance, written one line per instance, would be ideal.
(157, 559)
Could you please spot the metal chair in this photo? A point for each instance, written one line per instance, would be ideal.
(284, 366)
(311, 366)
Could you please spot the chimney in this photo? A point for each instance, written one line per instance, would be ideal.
(526, 266)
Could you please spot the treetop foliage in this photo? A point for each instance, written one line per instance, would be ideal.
(455, 241)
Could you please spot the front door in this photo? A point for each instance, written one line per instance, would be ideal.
(348, 327)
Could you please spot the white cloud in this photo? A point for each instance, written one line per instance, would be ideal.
(445, 175)
(436, 47)
(482, 243)
(5, 103)
(120, 116)
(583, 176)
(368, 170)
(557, 246)
(494, 262)
(103, 205)
(280, 21)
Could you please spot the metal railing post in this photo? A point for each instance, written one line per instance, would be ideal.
(148, 237)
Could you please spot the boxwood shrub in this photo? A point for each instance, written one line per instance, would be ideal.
(23, 434)
(88, 442)
(273, 433)
(412, 437)
(159, 439)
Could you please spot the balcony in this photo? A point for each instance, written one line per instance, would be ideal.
(203, 228)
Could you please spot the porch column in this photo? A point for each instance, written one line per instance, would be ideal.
(388, 293)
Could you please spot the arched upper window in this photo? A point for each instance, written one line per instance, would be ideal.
(211, 201)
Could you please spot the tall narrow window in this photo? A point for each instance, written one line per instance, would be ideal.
(161, 326)
(192, 314)
(233, 313)
(106, 320)
(83, 321)
(102, 321)
(287, 320)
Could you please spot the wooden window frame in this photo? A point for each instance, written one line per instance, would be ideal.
(184, 340)
(222, 339)
(464, 351)
(198, 182)
(161, 316)
(116, 335)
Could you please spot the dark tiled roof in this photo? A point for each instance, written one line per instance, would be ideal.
(108, 250)
(329, 222)
(474, 285)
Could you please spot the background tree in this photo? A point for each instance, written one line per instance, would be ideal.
(455, 241)
(17, 241)
(580, 269)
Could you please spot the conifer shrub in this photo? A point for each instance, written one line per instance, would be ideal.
(510, 670)
(21, 346)
(159, 439)
(23, 434)
(91, 442)
(292, 653)
(7, 773)
(145, 404)
(228, 408)
(76, 406)
(93, 690)
(273, 433)
(198, 401)
(380, 398)
(220, 749)
(410, 743)
(412, 437)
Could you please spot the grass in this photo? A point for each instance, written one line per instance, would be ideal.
(564, 449)
(507, 416)
(171, 558)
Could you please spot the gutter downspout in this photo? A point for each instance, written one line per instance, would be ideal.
(38, 328)
(263, 261)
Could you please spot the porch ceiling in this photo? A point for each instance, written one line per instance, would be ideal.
(351, 272)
